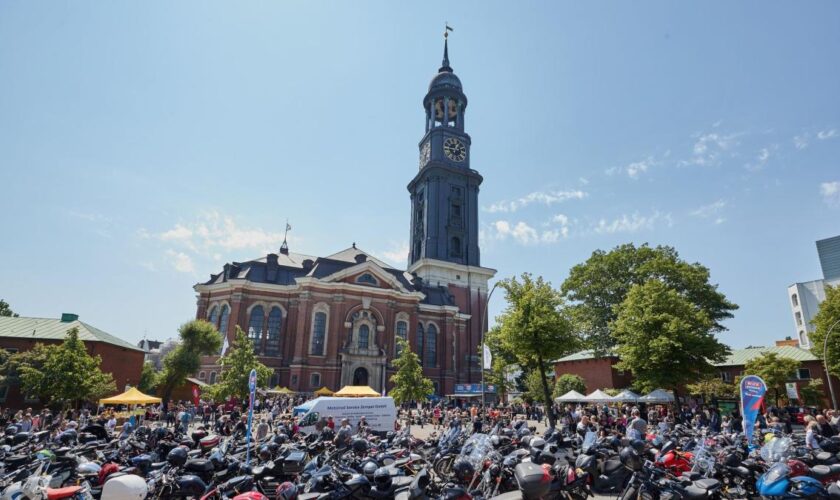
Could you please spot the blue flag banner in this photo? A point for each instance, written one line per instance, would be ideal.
(252, 387)
(753, 389)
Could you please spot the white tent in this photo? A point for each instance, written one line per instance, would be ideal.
(627, 396)
(599, 396)
(571, 397)
(658, 396)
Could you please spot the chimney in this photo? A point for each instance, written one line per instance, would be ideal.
(69, 317)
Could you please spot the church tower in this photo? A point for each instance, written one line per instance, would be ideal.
(444, 193)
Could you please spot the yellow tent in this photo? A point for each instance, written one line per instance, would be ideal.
(356, 391)
(281, 390)
(323, 391)
(130, 397)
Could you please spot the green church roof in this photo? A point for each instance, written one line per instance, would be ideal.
(56, 329)
(743, 356)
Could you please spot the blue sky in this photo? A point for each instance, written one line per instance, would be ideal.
(144, 144)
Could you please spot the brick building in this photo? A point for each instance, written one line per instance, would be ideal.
(121, 359)
(600, 373)
(333, 321)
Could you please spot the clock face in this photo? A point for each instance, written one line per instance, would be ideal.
(425, 153)
(454, 149)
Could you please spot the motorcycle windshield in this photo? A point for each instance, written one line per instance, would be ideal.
(776, 450)
(476, 448)
(777, 472)
(589, 441)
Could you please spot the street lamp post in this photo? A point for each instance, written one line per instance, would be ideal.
(825, 364)
(484, 322)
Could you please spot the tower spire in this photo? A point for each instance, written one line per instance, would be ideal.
(445, 64)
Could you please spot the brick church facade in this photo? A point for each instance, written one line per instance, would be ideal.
(333, 321)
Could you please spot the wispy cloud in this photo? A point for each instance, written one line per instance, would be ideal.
(711, 211)
(542, 197)
(761, 158)
(397, 254)
(632, 223)
(181, 262)
(709, 148)
(830, 192)
(525, 234)
(633, 169)
(801, 141)
(827, 134)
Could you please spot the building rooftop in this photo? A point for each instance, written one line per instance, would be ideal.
(736, 358)
(740, 357)
(56, 329)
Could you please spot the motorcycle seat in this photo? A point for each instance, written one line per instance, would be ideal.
(59, 493)
(158, 465)
(707, 484)
(694, 493)
(400, 461)
(193, 453)
(199, 465)
(825, 456)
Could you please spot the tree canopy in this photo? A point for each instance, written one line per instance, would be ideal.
(534, 328)
(827, 316)
(711, 388)
(774, 370)
(198, 338)
(236, 365)
(61, 375)
(664, 339)
(6, 310)
(148, 378)
(600, 285)
(569, 382)
(409, 382)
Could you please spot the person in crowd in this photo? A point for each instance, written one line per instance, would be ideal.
(637, 427)
(825, 428)
(262, 430)
(812, 431)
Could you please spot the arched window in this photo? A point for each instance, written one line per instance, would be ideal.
(223, 320)
(364, 336)
(275, 380)
(315, 380)
(201, 375)
(319, 333)
(431, 346)
(794, 299)
(402, 333)
(213, 317)
(255, 328)
(420, 335)
(455, 247)
(212, 377)
(272, 343)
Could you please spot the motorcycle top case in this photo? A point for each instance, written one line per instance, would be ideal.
(293, 462)
(534, 480)
(209, 442)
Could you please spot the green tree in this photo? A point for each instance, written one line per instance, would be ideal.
(64, 374)
(774, 370)
(148, 378)
(569, 382)
(501, 376)
(198, 338)
(534, 329)
(236, 365)
(813, 394)
(5, 310)
(664, 339)
(712, 388)
(409, 382)
(534, 386)
(828, 315)
(600, 285)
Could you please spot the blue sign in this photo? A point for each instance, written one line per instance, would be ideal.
(474, 388)
(252, 386)
(753, 389)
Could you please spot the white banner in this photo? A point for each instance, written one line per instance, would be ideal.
(488, 358)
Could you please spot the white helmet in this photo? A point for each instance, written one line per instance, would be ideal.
(127, 487)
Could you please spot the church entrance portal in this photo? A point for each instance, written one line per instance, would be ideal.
(360, 376)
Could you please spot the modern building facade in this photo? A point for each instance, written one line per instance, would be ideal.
(333, 321)
(806, 297)
(121, 359)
